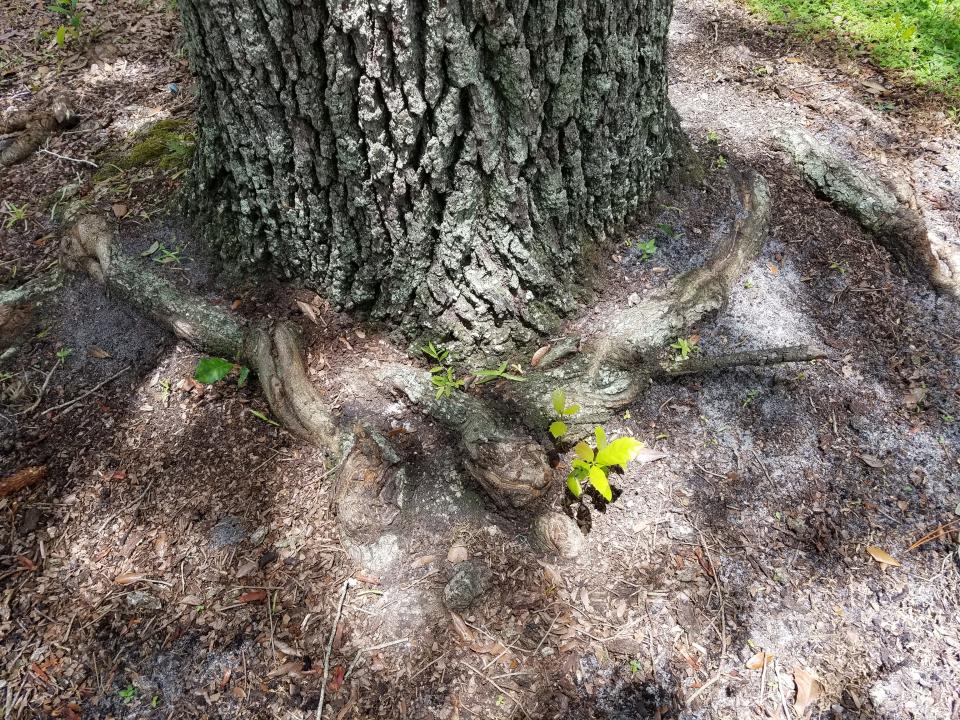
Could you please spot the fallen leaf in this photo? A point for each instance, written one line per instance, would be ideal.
(914, 397)
(22, 478)
(466, 634)
(874, 87)
(26, 563)
(337, 680)
(129, 578)
(538, 355)
(291, 667)
(793, 60)
(871, 461)
(95, 351)
(119, 209)
(648, 455)
(759, 660)
(308, 311)
(457, 554)
(252, 596)
(808, 690)
(882, 556)
(246, 569)
(366, 578)
(192, 600)
(774, 270)
(422, 560)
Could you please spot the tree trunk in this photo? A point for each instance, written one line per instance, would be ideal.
(439, 164)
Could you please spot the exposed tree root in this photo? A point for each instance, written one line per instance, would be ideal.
(602, 373)
(875, 204)
(30, 129)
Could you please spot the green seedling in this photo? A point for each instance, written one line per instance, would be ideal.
(750, 397)
(592, 464)
(211, 370)
(162, 255)
(500, 373)
(442, 375)
(713, 137)
(667, 230)
(635, 666)
(63, 354)
(684, 349)
(165, 389)
(15, 214)
(720, 162)
(647, 248)
(838, 267)
(127, 694)
(69, 10)
(748, 283)
(558, 400)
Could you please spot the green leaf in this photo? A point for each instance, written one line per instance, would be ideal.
(619, 452)
(558, 429)
(601, 438)
(584, 451)
(151, 250)
(572, 410)
(260, 416)
(242, 376)
(211, 369)
(598, 478)
(61, 35)
(515, 378)
(559, 401)
(574, 485)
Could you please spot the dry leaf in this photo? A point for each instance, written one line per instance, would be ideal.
(246, 569)
(871, 461)
(648, 455)
(22, 478)
(457, 554)
(191, 600)
(291, 667)
(422, 560)
(759, 660)
(538, 355)
(95, 351)
(129, 578)
(808, 690)
(308, 311)
(466, 634)
(882, 556)
(252, 596)
(119, 209)
(874, 87)
(793, 60)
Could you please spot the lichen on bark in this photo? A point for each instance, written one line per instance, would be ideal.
(439, 164)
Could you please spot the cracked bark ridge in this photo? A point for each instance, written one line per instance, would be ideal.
(31, 128)
(876, 204)
(438, 164)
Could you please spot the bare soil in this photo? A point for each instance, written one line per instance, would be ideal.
(180, 558)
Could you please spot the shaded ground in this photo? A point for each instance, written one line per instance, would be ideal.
(751, 536)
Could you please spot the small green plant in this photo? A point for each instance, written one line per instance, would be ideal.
(635, 666)
(442, 375)
(647, 248)
(69, 10)
(748, 283)
(165, 389)
(667, 230)
(684, 349)
(63, 354)
(750, 397)
(162, 255)
(948, 418)
(263, 417)
(210, 370)
(592, 464)
(713, 137)
(499, 373)
(558, 400)
(15, 214)
(127, 694)
(838, 267)
(720, 162)
(155, 702)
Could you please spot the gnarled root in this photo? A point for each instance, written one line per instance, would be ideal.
(874, 203)
(32, 128)
(274, 354)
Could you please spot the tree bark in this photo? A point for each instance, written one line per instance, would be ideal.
(439, 164)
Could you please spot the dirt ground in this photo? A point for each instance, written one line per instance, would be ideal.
(180, 558)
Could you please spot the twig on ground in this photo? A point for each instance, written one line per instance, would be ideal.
(783, 699)
(372, 648)
(546, 634)
(70, 159)
(505, 693)
(347, 584)
(703, 687)
(92, 390)
(43, 390)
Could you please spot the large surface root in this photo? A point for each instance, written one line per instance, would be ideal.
(874, 203)
(28, 130)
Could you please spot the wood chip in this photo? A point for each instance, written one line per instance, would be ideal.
(22, 478)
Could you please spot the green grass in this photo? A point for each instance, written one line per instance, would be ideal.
(920, 38)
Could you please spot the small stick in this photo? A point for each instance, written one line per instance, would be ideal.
(703, 687)
(349, 582)
(546, 634)
(372, 648)
(70, 159)
(497, 686)
(88, 392)
(783, 699)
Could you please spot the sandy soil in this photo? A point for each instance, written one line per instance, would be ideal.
(180, 558)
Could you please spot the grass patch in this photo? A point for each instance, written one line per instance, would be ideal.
(920, 38)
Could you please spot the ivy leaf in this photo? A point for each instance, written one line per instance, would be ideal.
(619, 452)
(601, 438)
(559, 401)
(574, 485)
(211, 369)
(558, 429)
(584, 451)
(598, 478)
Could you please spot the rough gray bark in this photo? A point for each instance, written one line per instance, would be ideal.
(438, 163)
